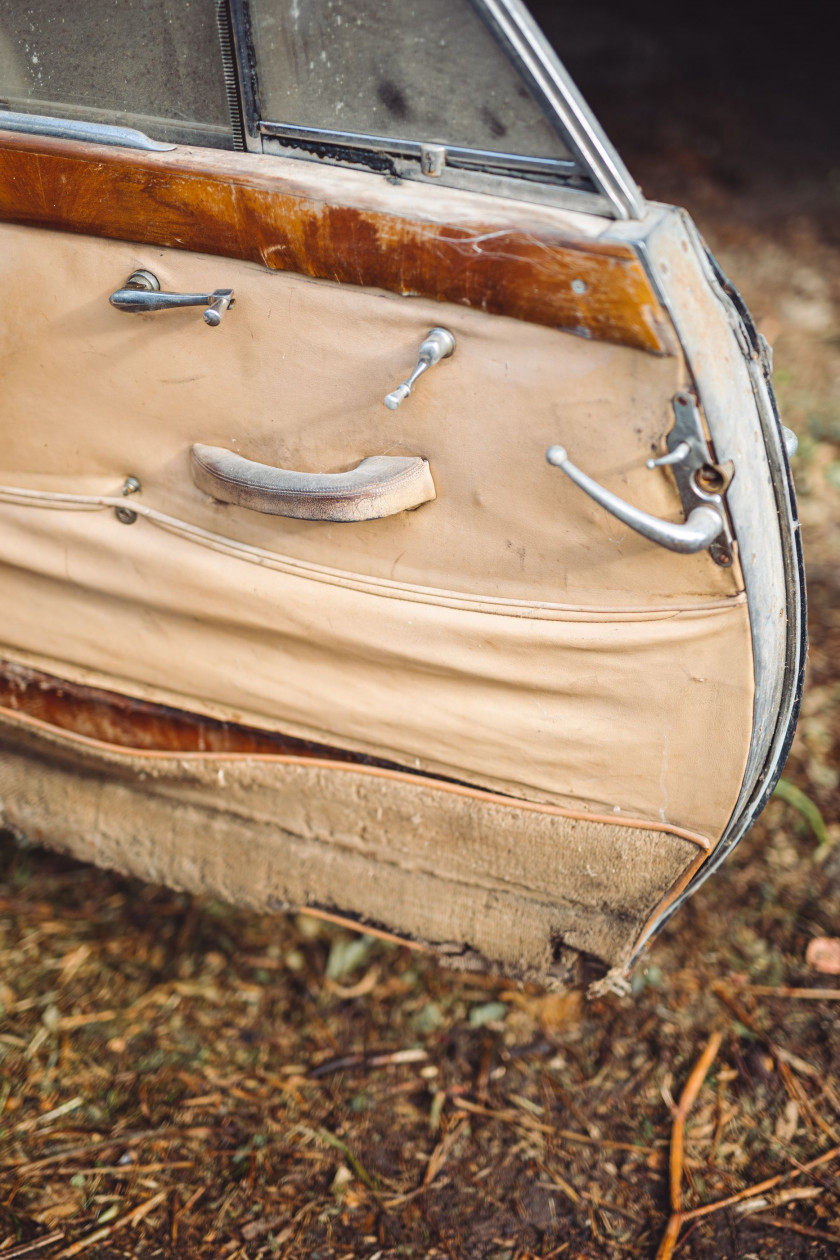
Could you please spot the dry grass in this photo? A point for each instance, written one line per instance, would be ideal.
(185, 1079)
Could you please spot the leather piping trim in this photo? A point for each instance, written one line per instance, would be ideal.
(18, 496)
(292, 215)
(61, 734)
(673, 893)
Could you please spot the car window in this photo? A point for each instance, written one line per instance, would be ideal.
(157, 65)
(426, 71)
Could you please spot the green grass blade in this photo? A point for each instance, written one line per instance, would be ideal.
(794, 796)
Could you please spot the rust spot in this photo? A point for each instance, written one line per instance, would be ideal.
(226, 208)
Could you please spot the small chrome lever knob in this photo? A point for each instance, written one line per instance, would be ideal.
(222, 299)
(438, 344)
(142, 294)
(680, 452)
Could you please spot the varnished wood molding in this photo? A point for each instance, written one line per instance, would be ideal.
(249, 207)
(127, 722)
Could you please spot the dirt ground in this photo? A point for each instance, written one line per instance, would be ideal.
(178, 1078)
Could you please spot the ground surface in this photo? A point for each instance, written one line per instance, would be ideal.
(181, 1079)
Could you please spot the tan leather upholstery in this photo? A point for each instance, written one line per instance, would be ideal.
(295, 378)
(506, 634)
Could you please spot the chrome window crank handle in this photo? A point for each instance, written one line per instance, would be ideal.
(142, 294)
(436, 345)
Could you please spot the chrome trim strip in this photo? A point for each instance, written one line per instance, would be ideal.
(89, 132)
(510, 163)
(779, 674)
(532, 188)
(550, 80)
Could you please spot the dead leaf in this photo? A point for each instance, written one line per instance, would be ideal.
(823, 954)
(58, 1203)
(788, 1122)
(550, 1010)
(366, 985)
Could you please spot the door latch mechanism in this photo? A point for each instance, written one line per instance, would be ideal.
(701, 484)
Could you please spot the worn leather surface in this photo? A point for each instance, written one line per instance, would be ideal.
(644, 712)
(295, 377)
(509, 633)
(381, 485)
(461, 869)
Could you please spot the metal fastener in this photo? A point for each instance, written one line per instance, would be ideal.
(125, 515)
(143, 280)
(432, 159)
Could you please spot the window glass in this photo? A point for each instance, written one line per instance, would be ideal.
(429, 70)
(152, 64)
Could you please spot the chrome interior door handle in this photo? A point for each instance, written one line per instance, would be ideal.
(701, 484)
(703, 526)
(381, 485)
(142, 294)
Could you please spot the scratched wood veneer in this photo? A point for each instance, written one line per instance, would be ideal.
(337, 225)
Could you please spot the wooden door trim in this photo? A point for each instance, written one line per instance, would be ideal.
(293, 215)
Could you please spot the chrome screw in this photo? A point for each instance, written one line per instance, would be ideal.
(125, 515)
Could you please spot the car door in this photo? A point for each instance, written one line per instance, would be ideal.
(395, 521)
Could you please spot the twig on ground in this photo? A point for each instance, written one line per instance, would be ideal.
(779, 1053)
(799, 1096)
(131, 1218)
(830, 1187)
(35, 1245)
(694, 1214)
(604, 1205)
(788, 991)
(46, 1116)
(518, 1117)
(367, 1061)
(807, 1230)
(687, 1098)
(123, 1171)
(793, 1194)
(25, 1168)
(442, 1151)
(560, 1183)
(69, 1023)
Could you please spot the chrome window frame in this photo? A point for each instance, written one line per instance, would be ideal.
(779, 679)
(594, 180)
